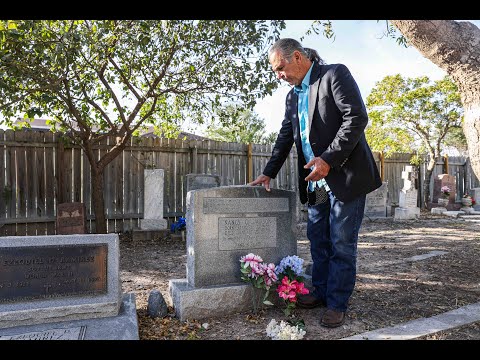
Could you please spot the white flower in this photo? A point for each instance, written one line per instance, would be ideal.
(284, 331)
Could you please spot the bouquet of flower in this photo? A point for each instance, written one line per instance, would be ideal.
(467, 198)
(445, 191)
(290, 271)
(285, 331)
(180, 225)
(262, 276)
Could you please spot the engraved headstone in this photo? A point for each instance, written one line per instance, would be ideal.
(58, 278)
(475, 194)
(201, 181)
(376, 202)
(75, 333)
(444, 180)
(71, 218)
(153, 201)
(224, 224)
(408, 195)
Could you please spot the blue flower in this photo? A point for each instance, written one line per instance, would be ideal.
(181, 224)
(290, 264)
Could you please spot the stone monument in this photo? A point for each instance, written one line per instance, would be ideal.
(376, 202)
(407, 201)
(201, 181)
(71, 218)
(63, 287)
(223, 224)
(438, 183)
(153, 201)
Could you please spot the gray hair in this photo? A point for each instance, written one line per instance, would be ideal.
(288, 46)
(312, 54)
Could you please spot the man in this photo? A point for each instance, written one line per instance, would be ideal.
(325, 117)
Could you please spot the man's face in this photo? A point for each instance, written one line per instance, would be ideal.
(289, 71)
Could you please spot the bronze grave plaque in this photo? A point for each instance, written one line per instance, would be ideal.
(45, 272)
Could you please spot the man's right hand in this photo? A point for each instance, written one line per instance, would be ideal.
(262, 179)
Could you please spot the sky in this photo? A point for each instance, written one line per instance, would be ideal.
(362, 47)
(359, 45)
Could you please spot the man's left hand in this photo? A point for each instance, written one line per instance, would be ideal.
(320, 169)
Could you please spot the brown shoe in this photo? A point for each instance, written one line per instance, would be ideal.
(308, 301)
(332, 318)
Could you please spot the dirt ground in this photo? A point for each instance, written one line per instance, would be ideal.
(389, 290)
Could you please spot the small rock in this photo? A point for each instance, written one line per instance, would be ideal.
(157, 307)
(205, 326)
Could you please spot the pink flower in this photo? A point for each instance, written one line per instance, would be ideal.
(288, 290)
(270, 276)
(301, 289)
(257, 269)
(251, 259)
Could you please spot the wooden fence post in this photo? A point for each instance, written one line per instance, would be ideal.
(60, 170)
(445, 164)
(382, 166)
(250, 163)
(193, 156)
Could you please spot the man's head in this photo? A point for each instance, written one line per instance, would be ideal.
(289, 60)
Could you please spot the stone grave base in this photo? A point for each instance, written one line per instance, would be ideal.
(153, 224)
(406, 213)
(450, 206)
(123, 326)
(212, 301)
(438, 210)
(141, 235)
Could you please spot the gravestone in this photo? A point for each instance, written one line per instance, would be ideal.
(376, 202)
(201, 181)
(475, 194)
(444, 180)
(153, 201)
(407, 201)
(63, 286)
(71, 218)
(224, 224)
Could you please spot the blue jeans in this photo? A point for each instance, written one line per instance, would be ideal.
(332, 229)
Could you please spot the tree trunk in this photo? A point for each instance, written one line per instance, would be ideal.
(97, 168)
(426, 183)
(98, 202)
(454, 47)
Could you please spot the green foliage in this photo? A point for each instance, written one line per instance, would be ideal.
(456, 138)
(412, 114)
(416, 160)
(270, 138)
(324, 27)
(112, 76)
(238, 125)
(94, 78)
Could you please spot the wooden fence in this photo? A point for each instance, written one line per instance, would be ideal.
(39, 170)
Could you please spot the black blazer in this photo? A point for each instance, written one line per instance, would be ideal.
(337, 118)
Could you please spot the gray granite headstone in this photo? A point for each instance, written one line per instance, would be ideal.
(475, 194)
(123, 326)
(58, 278)
(408, 195)
(224, 224)
(228, 222)
(201, 181)
(153, 201)
(376, 202)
